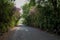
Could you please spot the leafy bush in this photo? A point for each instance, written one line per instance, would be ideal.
(46, 15)
(7, 15)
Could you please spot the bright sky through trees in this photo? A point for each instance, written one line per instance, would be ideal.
(19, 3)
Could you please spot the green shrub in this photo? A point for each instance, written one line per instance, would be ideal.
(7, 15)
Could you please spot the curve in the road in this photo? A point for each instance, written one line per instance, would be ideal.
(27, 33)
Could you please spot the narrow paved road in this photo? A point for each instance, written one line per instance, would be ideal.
(28, 33)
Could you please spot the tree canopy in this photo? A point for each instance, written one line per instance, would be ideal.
(47, 16)
(7, 18)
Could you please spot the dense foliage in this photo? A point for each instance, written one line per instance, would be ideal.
(43, 14)
(7, 15)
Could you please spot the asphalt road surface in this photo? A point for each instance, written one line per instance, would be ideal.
(28, 33)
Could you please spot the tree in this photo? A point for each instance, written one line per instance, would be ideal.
(6, 15)
(47, 13)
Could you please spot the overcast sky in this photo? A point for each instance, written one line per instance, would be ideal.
(19, 3)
